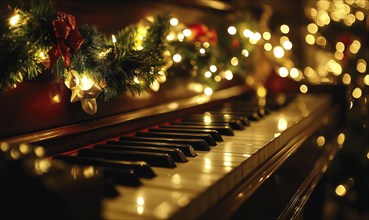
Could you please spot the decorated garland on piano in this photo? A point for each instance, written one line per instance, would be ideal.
(37, 38)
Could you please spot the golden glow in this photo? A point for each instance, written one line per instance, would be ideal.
(341, 190)
(86, 83)
(320, 141)
(42, 166)
(366, 79)
(232, 30)
(196, 87)
(228, 75)
(287, 45)
(268, 47)
(294, 73)
(208, 91)
(282, 124)
(367, 155)
(245, 53)
(24, 148)
(340, 46)
(187, 32)
(357, 93)
(310, 39)
(261, 91)
(176, 179)
(321, 41)
(206, 44)
(303, 88)
(217, 78)
(170, 37)
(341, 138)
(4, 146)
(334, 67)
(338, 55)
(267, 35)
(155, 86)
(140, 201)
(234, 61)
(254, 38)
(136, 80)
(355, 46)
(14, 20)
(89, 171)
(177, 58)
(174, 22)
(180, 37)
(359, 15)
(361, 66)
(283, 72)
(285, 29)
(208, 74)
(202, 51)
(213, 68)
(278, 52)
(312, 28)
(346, 79)
(113, 39)
(323, 18)
(247, 33)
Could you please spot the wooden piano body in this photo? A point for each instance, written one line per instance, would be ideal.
(261, 172)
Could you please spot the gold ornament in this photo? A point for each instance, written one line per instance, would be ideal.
(84, 90)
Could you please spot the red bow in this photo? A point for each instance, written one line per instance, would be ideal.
(67, 37)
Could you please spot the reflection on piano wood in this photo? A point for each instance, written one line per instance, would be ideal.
(198, 176)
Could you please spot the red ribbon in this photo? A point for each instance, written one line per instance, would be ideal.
(67, 37)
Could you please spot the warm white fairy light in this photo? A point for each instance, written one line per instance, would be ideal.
(346, 79)
(217, 78)
(359, 15)
(208, 74)
(312, 28)
(303, 88)
(206, 44)
(174, 22)
(180, 37)
(247, 33)
(310, 39)
(283, 71)
(202, 51)
(366, 79)
(356, 93)
(287, 45)
(234, 61)
(278, 52)
(177, 58)
(208, 91)
(361, 65)
(355, 46)
(340, 46)
(294, 73)
(187, 32)
(232, 30)
(268, 47)
(285, 29)
(254, 38)
(213, 68)
(86, 83)
(267, 35)
(13, 21)
(321, 41)
(245, 53)
(228, 75)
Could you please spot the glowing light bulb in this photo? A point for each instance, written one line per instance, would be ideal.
(86, 83)
(245, 53)
(187, 32)
(208, 91)
(174, 22)
(232, 30)
(283, 72)
(303, 88)
(228, 75)
(234, 61)
(177, 58)
(213, 68)
(14, 20)
(285, 29)
(278, 52)
(357, 93)
(267, 35)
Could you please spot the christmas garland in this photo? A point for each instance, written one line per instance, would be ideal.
(37, 38)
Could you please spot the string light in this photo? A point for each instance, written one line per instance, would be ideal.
(13, 21)
(232, 30)
(208, 91)
(303, 88)
(267, 35)
(228, 75)
(285, 29)
(174, 22)
(278, 52)
(177, 58)
(283, 72)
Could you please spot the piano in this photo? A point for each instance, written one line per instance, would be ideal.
(173, 154)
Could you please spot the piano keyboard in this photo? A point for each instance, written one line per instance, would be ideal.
(194, 163)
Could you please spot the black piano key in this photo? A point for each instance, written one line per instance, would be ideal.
(235, 124)
(176, 154)
(141, 168)
(154, 159)
(252, 116)
(214, 133)
(206, 137)
(216, 116)
(223, 130)
(187, 149)
(197, 144)
(121, 176)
